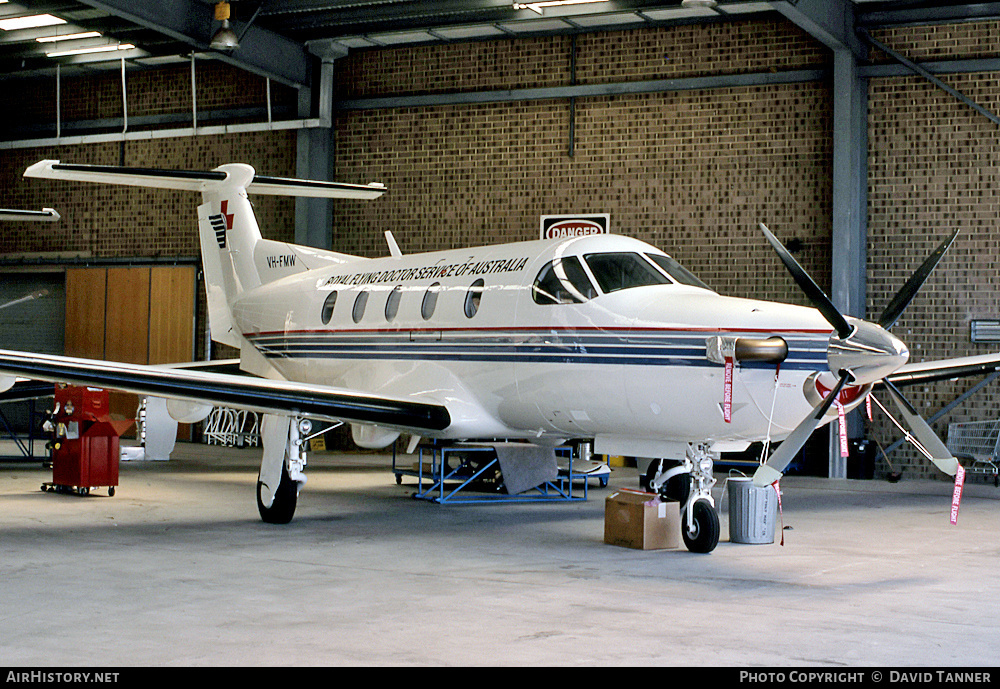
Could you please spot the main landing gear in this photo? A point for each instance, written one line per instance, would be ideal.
(690, 482)
(281, 467)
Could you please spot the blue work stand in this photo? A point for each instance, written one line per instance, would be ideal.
(442, 484)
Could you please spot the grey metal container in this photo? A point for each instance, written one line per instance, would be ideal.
(753, 511)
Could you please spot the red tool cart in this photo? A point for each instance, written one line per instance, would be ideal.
(85, 449)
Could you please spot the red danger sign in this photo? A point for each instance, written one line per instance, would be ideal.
(566, 226)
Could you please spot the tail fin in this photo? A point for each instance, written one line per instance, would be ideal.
(235, 257)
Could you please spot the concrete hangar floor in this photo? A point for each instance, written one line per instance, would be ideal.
(177, 570)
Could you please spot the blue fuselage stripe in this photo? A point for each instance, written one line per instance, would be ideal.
(634, 350)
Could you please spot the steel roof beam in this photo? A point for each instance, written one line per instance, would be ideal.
(947, 14)
(261, 51)
(831, 22)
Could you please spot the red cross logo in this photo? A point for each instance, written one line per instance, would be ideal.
(227, 216)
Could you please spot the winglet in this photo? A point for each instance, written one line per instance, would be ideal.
(393, 246)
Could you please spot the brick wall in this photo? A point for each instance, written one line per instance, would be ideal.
(163, 91)
(608, 56)
(933, 168)
(507, 63)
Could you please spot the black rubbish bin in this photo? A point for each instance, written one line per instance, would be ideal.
(861, 459)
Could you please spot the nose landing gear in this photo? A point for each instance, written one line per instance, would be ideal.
(690, 483)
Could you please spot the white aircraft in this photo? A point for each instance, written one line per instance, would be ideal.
(603, 338)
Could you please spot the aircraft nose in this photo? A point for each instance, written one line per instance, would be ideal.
(870, 353)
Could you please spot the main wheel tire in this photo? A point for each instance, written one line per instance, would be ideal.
(704, 535)
(282, 508)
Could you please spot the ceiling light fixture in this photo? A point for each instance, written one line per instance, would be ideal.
(539, 6)
(225, 38)
(698, 3)
(32, 22)
(68, 37)
(95, 49)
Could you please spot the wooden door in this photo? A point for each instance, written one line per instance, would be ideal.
(139, 315)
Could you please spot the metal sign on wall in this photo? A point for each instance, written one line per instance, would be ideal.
(563, 226)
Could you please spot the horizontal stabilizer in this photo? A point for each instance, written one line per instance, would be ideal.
(44, 215)
(187, 180)
(283, 186)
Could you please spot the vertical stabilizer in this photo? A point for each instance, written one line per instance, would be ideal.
(228, 233)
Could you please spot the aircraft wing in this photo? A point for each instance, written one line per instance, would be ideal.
(23, 390)
(229, 390)
(945, 369)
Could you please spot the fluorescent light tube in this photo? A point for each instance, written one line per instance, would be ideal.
(539, 6)
(68, 37)
(97, 49)
(32, 22)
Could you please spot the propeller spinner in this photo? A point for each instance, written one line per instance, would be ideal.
(859, 353)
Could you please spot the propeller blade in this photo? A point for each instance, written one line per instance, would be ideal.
(925, 435)
(770, 471)
(812, 290)
(903, 297)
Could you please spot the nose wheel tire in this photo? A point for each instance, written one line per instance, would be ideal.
(703, 535)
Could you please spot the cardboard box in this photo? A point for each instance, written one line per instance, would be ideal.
(634, 519)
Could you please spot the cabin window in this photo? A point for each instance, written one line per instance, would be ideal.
(623, 270)
(392, 302)
(328, 304)
(563, 281)
(359, 306)
(473, 297)
(429, 303)
(675, 270)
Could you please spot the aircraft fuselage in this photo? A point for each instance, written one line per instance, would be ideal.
(468, 328)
